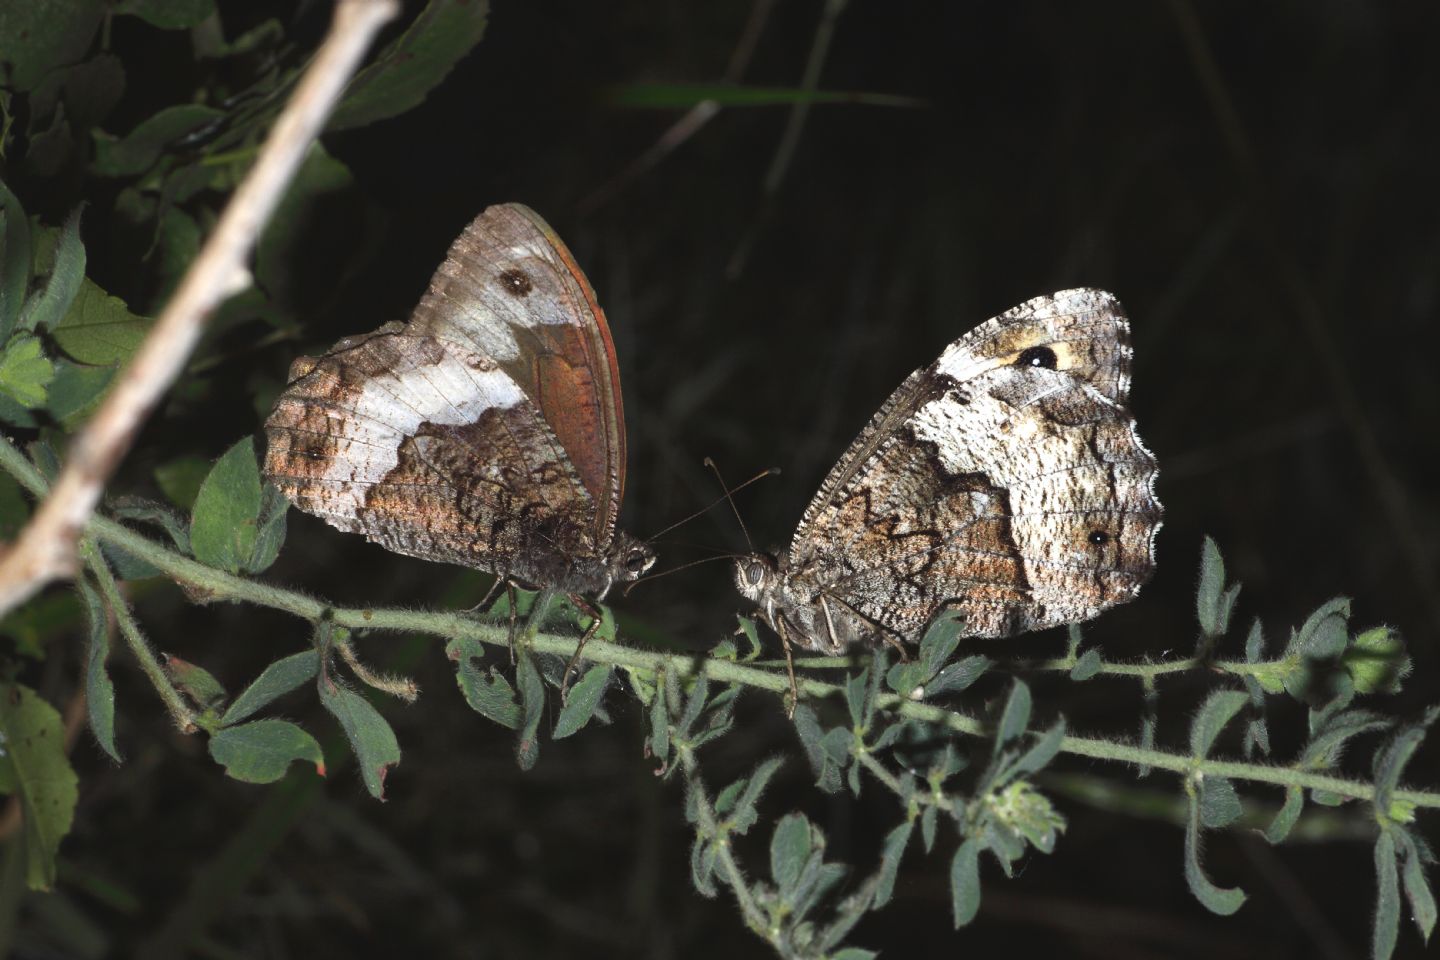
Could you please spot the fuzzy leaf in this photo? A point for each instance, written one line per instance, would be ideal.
(584, 698)
(223, 524)
(939, 642)
(180, 480)
(745, 814)
(1015, 718)
(33, 766)
(958, 675)
(891, 853)
(262, 751)
(1417, 885)
(14, 255)
(694, 705)
(35, 38)
(1212, 586)
(1391, 759)
(195, 682)
(1218, 710)
(1087, 666)
(269, 529)
(371, 739)
(1285, 820)
(703, 857)
(1041, 752)
(407, 70)
(99, 329)
(276, 680)
(790, 848)
(1255, 644)
(1387, 898)
(1219, 803)
(99, 690)
(1323, 634)
(532, 709)
(1220, 900)
(660, 725)
(929, 823)
(25, 372)
(855, 688)
(45, 308)
(965, 883)
(1377, 660)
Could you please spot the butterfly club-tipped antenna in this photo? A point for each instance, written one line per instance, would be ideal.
(726, 496)
(709, 462)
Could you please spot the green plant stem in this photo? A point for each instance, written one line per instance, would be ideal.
(214, 584)
(710, 826)
(174, 700)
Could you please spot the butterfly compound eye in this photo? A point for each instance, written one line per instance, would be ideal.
(636, 561)
(755, 573)
(1037, 357)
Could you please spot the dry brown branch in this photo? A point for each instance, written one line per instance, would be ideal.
(46, 548)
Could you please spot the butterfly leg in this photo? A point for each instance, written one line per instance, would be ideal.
(490, 596)
(510, 596)
(793, 699)
(596, 618)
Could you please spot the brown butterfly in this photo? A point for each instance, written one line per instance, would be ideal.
(488, 431)
(1004, 482)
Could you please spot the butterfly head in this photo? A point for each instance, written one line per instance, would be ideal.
(755, 576)
(629, 558)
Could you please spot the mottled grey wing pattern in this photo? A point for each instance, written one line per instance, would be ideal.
(1006, 481)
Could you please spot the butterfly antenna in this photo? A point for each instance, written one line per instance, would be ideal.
(684, 566)
(736, 510)
(714, 503)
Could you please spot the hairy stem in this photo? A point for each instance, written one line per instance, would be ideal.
(710, 826)
(218, 585)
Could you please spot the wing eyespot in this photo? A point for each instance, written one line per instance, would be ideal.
(1037, 357)
(516, 282)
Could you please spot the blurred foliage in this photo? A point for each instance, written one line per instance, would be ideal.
(1256, 185)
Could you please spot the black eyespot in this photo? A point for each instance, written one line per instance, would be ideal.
(635, 561)
(1037, 357)
(754, 573)
(1098, 537)
(515, 282)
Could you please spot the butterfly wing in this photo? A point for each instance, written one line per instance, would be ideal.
(1005, 481)
(510, 290)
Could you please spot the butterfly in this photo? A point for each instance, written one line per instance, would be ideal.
(1005, 484)
(487, 431)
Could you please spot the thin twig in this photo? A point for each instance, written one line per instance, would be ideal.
(46, 549)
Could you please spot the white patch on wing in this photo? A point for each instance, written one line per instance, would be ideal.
(390, 408)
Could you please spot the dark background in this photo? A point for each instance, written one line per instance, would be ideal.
(1256, 182)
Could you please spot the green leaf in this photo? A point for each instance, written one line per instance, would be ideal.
(99, 690)
(929, 820)
(1417, 886)
(1015, 718)
(790, 848)
(703, 859)
(262, 751)
(584, 698)
(14, 507)
(223, 524)
(1087, 666)
(33, 766)
(25, 372)
(14, 254)
(965, 883)
(1218, 709)
(45, 309)
(181, 479)
(745, 814)
(195, 682)
(99, 329)
(659, 740)
(958, 675)
(371, 739)
(269, 529)
(1391, 759)
(1324, 633)
(1387, 898)
(891, 853)
(1377, 660)
(77, 391)
(405, 72)
(752, 638)
(35, 38)
(1046, 746)
(133, 154)
(532, 708)
(1209, 594)
(1219, 803)
(940, 640)
(486, 691)
(1255, 644)
(276, 680)
(1285, 820)
(855, 688)
(1220, 900)
(168, 14)
(694, 705)
(667, 96)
